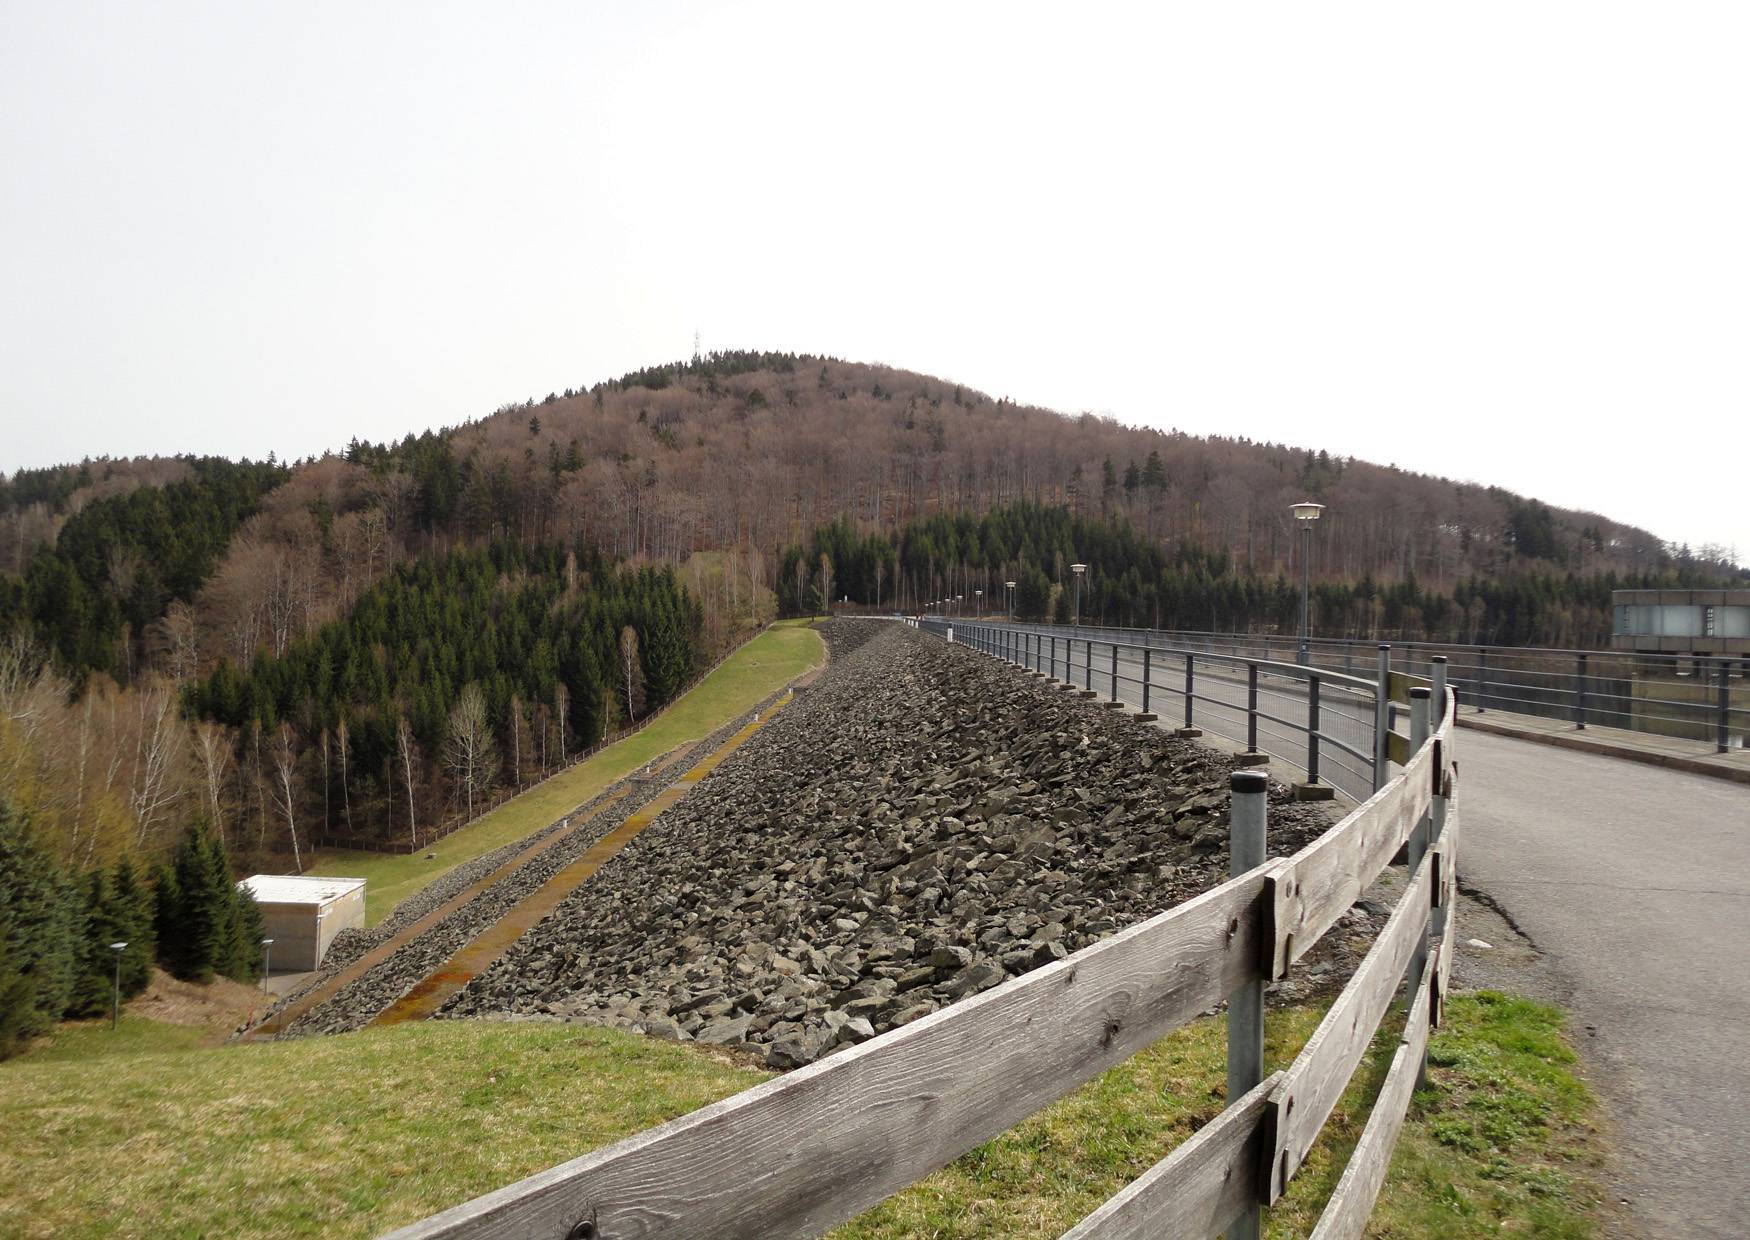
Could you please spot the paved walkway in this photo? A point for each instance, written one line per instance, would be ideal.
(1673, 753)
(1635, 884)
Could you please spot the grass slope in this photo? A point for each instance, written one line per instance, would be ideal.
(341, 1136)
(758, 669)
(351, 1135)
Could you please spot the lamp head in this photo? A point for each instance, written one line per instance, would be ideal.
(1078, 569)
(1306, 510)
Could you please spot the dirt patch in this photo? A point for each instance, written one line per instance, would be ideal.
(217, 1007)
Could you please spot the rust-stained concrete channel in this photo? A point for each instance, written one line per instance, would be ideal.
(436, 989)
(325, 1006)
(330, 986)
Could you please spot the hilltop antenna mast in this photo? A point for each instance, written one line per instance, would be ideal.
(697, 357)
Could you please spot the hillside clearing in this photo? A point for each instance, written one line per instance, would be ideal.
(755, 671)
(160, 1139)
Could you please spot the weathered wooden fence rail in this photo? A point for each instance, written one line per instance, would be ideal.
(800, 1153)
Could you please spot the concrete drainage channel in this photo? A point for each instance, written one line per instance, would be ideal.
(537, 873)
(432, 993)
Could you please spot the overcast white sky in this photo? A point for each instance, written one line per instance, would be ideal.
(1502, 241)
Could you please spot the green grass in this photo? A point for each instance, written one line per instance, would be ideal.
(342, 1136)
(352, 1135)
(1501, 1141)
(84, 1040)
(753, 672)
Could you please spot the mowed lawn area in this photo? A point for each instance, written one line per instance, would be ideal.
(351, 1135)
(758, 669)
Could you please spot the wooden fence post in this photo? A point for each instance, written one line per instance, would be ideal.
(1417, 846)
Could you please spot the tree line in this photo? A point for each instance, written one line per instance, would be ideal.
(59, 928)
(1133, 580)
(120, 561)
(453, 676)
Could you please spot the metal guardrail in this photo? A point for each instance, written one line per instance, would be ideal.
(798, 1154)
(1334, 726)
(1703, 698)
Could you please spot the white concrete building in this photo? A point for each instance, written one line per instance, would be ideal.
(303, 914)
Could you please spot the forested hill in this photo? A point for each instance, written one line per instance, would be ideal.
(371, 641)
(120, 561)
(762, 448)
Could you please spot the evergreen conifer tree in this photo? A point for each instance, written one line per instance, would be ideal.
(42, 921)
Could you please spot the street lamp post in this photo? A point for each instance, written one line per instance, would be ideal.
(1306, 513)
(1078, 570)
(266, 961)
(1009, 597)
(979, 603)
(115, 1011)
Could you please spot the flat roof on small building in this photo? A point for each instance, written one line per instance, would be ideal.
(299, 888)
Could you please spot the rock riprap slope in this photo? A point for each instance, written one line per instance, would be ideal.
(920, 825)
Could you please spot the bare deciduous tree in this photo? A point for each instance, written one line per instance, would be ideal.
(342, 745)
(213, 748)
(629, 670)
(468, 750)
(408, 752)
(285, 793)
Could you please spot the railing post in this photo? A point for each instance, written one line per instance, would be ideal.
(1247, 829)
(1482, 675)
(1088, 664)
(1417, 846)
(1723, 735)
(1114, 672)
(1251, 708)
(1580, 696)
(1146, 652)
(1312, 729)
(1382, 719)
(1053, 672)
(1188, 687)
(1437, 675)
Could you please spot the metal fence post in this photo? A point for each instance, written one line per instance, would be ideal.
(1312, 729)
(1482, 675)
(1188, 686)
(1382, 719)
(1087, 665)
(1580, 696)
(1247, 829)
(1053, 672)
(1723, 738)
(1114, 672)
(1251, 708)
(1146, 652)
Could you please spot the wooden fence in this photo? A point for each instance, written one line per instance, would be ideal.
(801, 1153)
